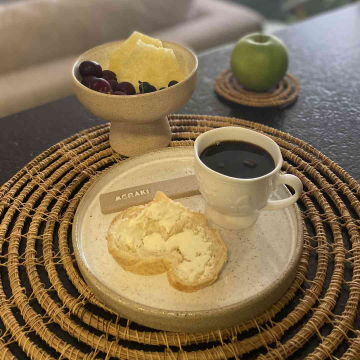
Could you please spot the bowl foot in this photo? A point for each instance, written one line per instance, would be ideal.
(131, 139)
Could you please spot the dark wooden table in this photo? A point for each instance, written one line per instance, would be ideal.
(324, 56)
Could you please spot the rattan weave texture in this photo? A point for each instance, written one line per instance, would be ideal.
(285, 93)
(48, 312)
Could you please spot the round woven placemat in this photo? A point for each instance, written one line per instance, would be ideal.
(48, 312)
(284, 94)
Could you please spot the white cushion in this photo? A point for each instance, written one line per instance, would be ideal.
(36, 31)
(35, 86)
(216, 23)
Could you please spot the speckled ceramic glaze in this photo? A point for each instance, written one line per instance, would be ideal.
(262, 259)
(138, 122)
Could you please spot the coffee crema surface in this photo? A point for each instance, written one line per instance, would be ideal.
(238, 159)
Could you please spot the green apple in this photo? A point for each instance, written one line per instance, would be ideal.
(259, 61)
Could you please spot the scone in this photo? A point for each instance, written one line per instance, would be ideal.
(165, 236)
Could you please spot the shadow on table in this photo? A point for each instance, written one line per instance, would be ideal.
(270, 116)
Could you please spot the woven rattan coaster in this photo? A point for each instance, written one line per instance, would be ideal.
(47, 311)
(285, 94)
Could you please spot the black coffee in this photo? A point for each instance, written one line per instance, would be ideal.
(238, 159)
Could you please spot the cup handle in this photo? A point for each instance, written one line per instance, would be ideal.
(292, 181)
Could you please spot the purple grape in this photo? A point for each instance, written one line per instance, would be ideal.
(100, 85)
(90, 68)
(86, 81)
(126, 87)
(113, 84)
(146, 87)
(119, 93)
(108, 75)
(172, 82)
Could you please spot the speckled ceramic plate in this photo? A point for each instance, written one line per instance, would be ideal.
(262, 260)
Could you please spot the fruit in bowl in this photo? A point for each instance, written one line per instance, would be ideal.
(126, 97)
(259, 61)
(139, 57)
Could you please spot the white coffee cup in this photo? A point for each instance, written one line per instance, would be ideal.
(234, 203)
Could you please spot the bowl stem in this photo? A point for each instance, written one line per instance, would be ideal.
(131, 139)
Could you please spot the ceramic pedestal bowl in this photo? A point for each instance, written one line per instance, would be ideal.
(138, 122)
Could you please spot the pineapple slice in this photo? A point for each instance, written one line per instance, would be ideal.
(156, 65)
(119, 57)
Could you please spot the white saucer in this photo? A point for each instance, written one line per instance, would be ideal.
(262, 260)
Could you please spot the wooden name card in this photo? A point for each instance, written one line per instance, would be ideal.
(138, 195)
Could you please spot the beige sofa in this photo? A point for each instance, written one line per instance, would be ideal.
(40, 39)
